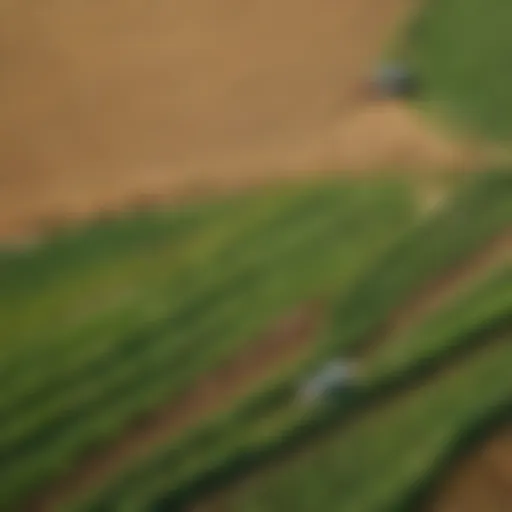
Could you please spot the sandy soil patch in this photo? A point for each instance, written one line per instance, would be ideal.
(107, 104)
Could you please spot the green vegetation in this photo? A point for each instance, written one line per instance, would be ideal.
(381, 458)
(264, 424)
(243, 439)
(111, 264)
(481, 310)
(179, 306)
(460, 50)
(74, 392)
(106, 325)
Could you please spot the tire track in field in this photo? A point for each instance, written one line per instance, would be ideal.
(285, 341)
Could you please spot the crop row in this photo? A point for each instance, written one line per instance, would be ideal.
(156, 308)
(214, 308)
(384, 457)
(51, 287)
(43, 437)
(241, 439)
(446, 256)
(35, 321)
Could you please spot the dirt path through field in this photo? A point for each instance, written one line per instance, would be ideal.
(107, 104)
(285, 342)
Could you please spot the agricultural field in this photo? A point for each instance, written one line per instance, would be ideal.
(159, 357)
(154, 360)
(460, 49)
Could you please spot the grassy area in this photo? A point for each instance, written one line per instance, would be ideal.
(73, 277)
(261, 427)
(190, 466)
(467, 317)
(185, 303)
(103, 326)
(76, 391)
(460, 49)
(381, 458)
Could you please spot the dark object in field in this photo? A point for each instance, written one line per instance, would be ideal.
(393, 81)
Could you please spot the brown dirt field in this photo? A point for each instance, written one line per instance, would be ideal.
(284, 343)
(482, 482)
(109, 103)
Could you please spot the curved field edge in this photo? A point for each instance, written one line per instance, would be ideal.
(137, 253)
(249, 249)
(421, 236)
(287, 102)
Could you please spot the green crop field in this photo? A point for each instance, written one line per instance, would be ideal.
(264, 426)
(158, 334)
(142, 308)
(460, 50)
(153, 362)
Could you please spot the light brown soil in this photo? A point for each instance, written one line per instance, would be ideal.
(109, 103)
(284, 343)
(482, 482)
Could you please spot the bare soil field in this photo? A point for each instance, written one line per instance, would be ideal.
(112, 103)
